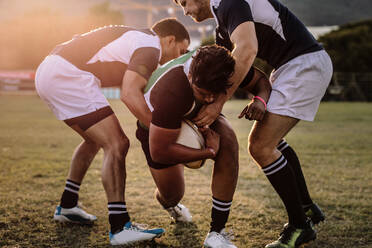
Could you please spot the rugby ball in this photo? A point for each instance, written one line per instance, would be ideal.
(191, 137)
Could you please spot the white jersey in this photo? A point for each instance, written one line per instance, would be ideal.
(109, 51)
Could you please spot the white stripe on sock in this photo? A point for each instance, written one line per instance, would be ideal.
(281, 149)
(221, 209)
(116, 206)
(282, 142)
(117, 212)
(73, 184)
(72, 190)
(277, 169)
(221, 203)
(274, 164)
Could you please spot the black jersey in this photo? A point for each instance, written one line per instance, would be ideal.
(109, 51)
(281, 36)
(169, 95)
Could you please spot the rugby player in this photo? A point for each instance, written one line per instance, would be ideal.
(177, 91)
(69, 81)
(302, 71)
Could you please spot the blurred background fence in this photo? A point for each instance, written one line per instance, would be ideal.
(345, 86)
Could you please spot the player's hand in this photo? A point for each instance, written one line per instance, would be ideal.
(208, 114)
(212, 139)
(255, 110)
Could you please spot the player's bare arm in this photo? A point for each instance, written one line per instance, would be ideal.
(164, 149)
(132, 95)
(244, 53)
(260, 87)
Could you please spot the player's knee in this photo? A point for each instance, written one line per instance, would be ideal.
(228, 140)
(231, 145)
(258, 150)
(118, 148)
(91, 146)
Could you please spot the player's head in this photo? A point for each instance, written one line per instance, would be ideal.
(210, 70)
(174, 38)
(199, 10)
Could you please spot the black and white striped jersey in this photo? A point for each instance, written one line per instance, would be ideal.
(109, 51)
(281, 36)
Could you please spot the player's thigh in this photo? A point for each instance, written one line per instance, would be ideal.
(107, 132)
(82, 133)
(170, 180)
(269, 131)
(227, 135)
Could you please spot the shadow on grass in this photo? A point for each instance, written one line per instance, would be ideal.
(73, 235)
(187, 234)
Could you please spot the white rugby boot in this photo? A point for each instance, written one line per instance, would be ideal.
(218, 240)
(132, 233)
(73, 215)
(179, 213)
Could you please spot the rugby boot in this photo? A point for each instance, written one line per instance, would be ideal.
(219, 240)
(179, 213)
(314, 213)
(73, 215)
(292, 237)
(133, 233)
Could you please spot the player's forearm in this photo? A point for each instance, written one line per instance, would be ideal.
(176, 153)
(137, 106)
(244, 58)
(263, 89)
(262, 85)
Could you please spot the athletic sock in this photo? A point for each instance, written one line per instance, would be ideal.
(282, 179)
(220, 214)
(118, 216)
(294, 162)
(70, 195)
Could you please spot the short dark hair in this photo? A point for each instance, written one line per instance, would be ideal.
(211, 68)
(170, 26)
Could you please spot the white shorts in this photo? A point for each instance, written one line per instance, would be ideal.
(299, 85)
(68, 91)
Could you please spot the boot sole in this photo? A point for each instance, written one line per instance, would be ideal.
(130, 244)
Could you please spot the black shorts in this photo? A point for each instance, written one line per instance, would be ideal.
(88, 120)
(142, 135)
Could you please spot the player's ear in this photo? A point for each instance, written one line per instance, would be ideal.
(171, 39)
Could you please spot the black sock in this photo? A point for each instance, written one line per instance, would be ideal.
(70, 195)
(118, 215)
(220, 214)
(294, 162)
(282, 179)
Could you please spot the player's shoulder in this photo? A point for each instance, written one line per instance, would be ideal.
(142, 38)
(225, 5)
(225, 9)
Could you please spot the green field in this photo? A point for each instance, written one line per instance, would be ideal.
(35, 150)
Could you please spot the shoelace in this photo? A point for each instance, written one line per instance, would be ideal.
(225, 236)
(286, 234)
(229, 235)
(138, 227)
(173, 211)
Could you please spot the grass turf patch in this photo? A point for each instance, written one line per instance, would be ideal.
(36, 148)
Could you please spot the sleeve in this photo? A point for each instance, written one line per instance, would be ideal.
(247, 78)
(171, 99)
(234, 13)
(223, 39)
(144, 61)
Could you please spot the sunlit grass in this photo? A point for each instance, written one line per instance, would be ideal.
(35, 150)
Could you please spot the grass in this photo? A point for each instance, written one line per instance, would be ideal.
(35, 150)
